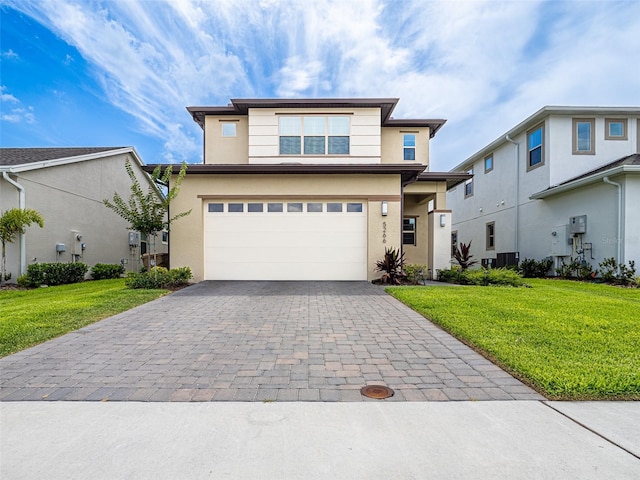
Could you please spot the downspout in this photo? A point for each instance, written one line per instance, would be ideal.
(517, 205)
(619, 239)
(23, 238)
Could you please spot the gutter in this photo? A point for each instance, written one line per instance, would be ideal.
(21, 205)
(517, 205)
(619, 239)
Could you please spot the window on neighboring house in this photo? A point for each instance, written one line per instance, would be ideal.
(488, 163)
(228, 129)
(165, 237)
(454, 242)
(314, 135)
(409, 231)
(583, 137)
(615, 128)
(468, 185)
(535, 147)
(491, 236)
(409, 144)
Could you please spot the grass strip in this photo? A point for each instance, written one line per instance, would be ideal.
(569, 340)
(29, 317)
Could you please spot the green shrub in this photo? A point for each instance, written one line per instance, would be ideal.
(415, 272)
(493, 276)
(101, 271)
(530, 268)
(53, 274)
(159, 277)
(451, 275)
(618, 274)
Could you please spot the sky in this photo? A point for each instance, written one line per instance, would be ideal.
(122, 72)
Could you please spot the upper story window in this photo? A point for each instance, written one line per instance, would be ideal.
(583, 137)
(535, 147)
(468, 185)
(409, 144)
(488, 163)
(314, 135)
(228, 129)
(615, 128)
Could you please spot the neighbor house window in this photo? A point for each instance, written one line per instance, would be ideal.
(454, 242)
(488, 163)
(535, 147)
(468, 185)
(583, 137)
(409, 144)
(229, 129)
(409, 231)
(491, 236)
(314, 135)
(165, 237)
(615, 128)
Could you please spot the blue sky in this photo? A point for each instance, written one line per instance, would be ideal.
(121, 72)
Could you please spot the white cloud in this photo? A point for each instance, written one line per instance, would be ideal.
(10, 54)
(7, 97)
(20, 115)
(485, 65)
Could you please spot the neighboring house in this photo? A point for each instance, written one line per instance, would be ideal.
(310, 189)
(68, 186)
(564, 183)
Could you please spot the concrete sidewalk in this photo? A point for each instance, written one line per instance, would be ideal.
(405, 440)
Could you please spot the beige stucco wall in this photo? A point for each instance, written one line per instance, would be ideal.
(187, 234)
(417, 253)
(393, 145)
(219, 149)
(70, 199)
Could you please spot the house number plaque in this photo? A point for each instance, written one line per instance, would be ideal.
(384, 232)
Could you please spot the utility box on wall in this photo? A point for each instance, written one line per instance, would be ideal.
(578, 224)
(559, 245)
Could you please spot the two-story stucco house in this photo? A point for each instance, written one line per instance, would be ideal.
(68, 186)
(564, 183)
(310, 189)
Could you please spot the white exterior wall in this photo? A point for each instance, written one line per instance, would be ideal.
(565, 165)
(538, 218)
(264, 142)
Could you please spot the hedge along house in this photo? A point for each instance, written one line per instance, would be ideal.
(310, 189)
(68, 186)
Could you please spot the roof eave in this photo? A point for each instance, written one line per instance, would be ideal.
(68, 160)
(549, 192)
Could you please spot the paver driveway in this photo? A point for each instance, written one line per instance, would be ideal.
(258, 341)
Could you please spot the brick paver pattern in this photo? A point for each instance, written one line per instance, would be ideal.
(259, 341)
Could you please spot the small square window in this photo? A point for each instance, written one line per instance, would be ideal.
(314, 207)
(236, 207)
(294, 207)
(615, 129)
(274, 207)
(216, 207)
(229, 129)
(354, 207)
(334, 207)
(255, 207)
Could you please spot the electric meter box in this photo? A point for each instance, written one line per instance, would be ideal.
(134, 239)
(578, 224)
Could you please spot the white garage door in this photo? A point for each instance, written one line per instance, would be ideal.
(285, 240)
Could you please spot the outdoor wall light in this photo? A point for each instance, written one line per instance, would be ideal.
(443, 220)
(385, 208)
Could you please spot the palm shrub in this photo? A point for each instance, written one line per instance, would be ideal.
(391, 264)
(463, 256)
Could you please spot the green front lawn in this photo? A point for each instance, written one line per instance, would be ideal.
(569, 340)
(29, 317)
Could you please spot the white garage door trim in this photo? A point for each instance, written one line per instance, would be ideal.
(285, 240)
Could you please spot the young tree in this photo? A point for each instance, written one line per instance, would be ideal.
(147, 213)
(12, 223)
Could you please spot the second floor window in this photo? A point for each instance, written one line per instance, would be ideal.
(535, 153)
(468, 185)
(314, 135)
(409, 146)
(583, 138)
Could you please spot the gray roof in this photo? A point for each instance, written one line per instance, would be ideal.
(633, 159)
(22, 156)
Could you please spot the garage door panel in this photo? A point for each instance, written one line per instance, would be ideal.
(285, 246)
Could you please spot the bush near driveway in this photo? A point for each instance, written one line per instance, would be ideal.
(29, 317)
(569, 340)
